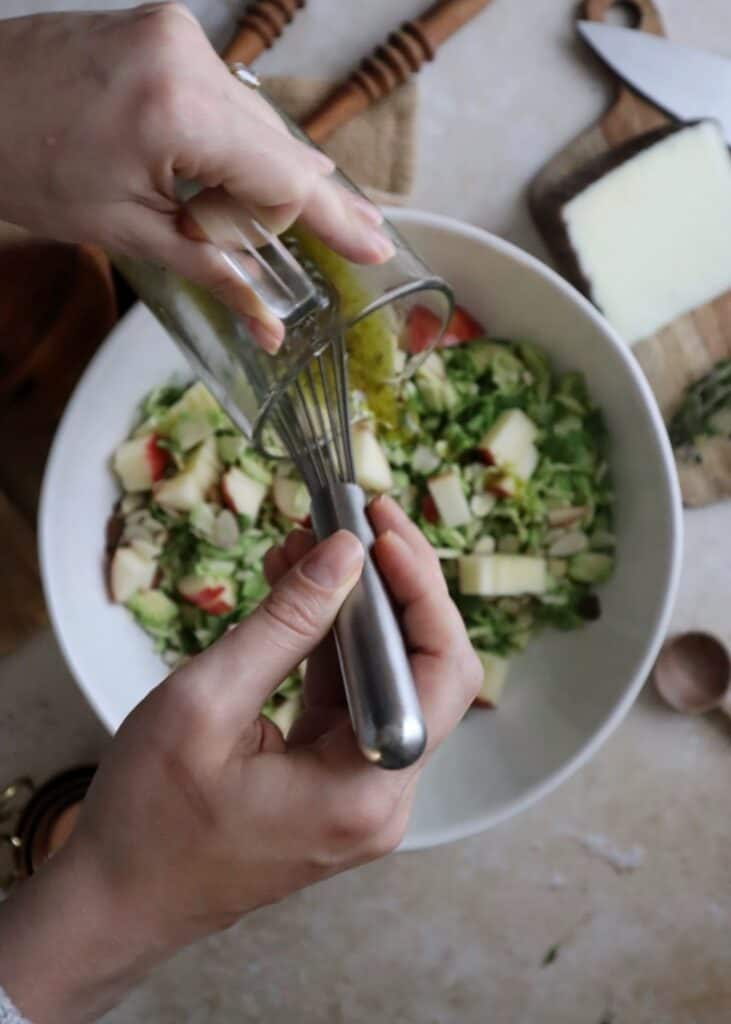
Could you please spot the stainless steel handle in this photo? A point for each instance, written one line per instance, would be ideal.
(384, 706)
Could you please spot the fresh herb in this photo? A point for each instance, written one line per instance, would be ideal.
(705, 410)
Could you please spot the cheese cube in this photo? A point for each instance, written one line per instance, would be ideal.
(652, 237)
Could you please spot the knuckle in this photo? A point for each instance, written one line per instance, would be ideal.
(191, 710)
(359, 822)
(163, 109)
(388, 839)
(163, 21)
(293, 619)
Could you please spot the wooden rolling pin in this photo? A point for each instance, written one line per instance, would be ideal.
(401, 56)
(259, 26)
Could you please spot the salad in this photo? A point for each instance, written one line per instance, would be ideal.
(501, 461)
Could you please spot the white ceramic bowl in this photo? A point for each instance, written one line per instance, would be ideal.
(566, 693)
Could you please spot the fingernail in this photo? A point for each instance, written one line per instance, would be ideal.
(265, 336)
(323, 161)
(335, 562)
(382, 246)
(366, 210)
(393, 538)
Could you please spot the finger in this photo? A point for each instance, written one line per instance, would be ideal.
(298, 544)
(347, 223)
(446, 669)
(431, 622)
(251, 160)
(158, 240)
(234, 677)
(280, 559)
(215, 222)
(385, 514)
(313, 723)
(261, 737)
(323, 687)
(275, 565)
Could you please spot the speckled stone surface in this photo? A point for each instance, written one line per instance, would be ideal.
(610, 901)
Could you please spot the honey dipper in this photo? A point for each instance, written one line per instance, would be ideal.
(260, 26)
(391, 64)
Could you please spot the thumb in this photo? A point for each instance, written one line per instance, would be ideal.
(236, 676)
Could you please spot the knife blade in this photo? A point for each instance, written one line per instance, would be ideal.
(686, 83)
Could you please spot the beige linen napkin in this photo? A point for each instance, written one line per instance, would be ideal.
(375, 149)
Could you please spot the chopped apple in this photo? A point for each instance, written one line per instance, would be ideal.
(503, 486)
(423, 327)
(509, 444)
(193, 418)
(292, 499)
(449, 498)
(481, 505)
(188, 488)
(525, 466)
(485, 545)
(502, 575)
(213, 595)
(139, 463)
(495, 672)
(242, 493)
(129, 572)
(372, 469)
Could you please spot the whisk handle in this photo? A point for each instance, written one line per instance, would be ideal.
(384, 707)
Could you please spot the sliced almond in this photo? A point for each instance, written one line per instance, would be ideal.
(566, 516)
(570, 544)
(225, 530)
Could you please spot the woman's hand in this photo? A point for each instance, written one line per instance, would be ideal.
(202, 812)
(101, 112)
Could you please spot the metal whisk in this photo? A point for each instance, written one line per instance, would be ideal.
(311, 416)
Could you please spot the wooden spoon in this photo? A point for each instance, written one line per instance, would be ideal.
(693, 674)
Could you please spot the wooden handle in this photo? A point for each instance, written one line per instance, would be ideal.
(630, 115)
(259, 27)
(391, 64)
(646, 16)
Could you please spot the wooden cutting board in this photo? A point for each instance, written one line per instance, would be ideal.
(57, 303)
(686, 349)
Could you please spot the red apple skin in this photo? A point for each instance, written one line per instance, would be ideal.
(227, 497)
(486, 456)
(214, 495)
(461, 328)
(429, 509)
(157, 458)
(422, 326)
(210, 601)
(496, 488)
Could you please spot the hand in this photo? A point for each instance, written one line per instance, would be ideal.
(202, 812)
(101, 112)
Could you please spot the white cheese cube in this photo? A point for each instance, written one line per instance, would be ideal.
(653, 236)
(446, 490)
(502, 575)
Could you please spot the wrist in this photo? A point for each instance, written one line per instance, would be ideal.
(71, 949)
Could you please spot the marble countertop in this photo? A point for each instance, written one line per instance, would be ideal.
(610, 901)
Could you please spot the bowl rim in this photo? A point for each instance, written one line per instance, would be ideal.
(533, 794)
(481, 822)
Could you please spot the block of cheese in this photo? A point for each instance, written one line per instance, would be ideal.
(651, 237)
